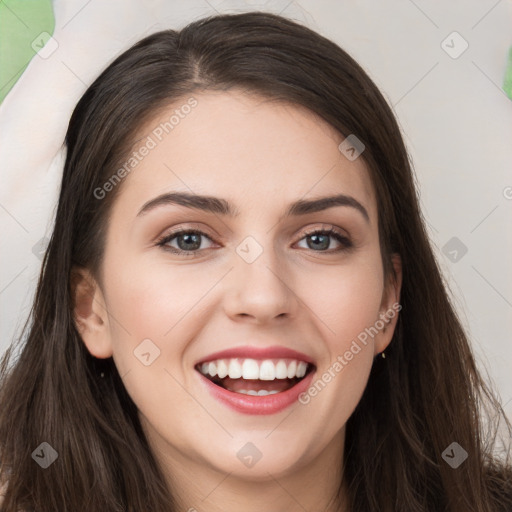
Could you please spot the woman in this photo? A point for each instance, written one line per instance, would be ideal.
(239, 308)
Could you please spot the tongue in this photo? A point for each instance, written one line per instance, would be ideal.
(236, 385)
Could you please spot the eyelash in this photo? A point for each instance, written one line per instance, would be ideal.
(344, 241)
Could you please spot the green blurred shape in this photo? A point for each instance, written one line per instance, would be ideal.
(21, 22)
(507, 82)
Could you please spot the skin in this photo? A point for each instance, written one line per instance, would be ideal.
(260, 156)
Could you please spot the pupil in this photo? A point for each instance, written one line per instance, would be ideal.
(188, 237)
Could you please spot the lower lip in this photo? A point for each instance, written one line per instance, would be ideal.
(250, 404)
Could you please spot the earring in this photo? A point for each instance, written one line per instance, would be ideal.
(383, 355)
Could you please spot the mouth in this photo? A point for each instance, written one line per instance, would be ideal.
(255, 377)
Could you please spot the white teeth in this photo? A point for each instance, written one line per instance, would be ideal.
(267, 370)
(212, 368)
(281, 370)
(235, 369)
(301, 369)
(252, 369)
(261, 392)
(292, 368)
(222, 369)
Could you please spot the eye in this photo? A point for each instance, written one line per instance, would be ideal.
(320, 239)
(188, 241)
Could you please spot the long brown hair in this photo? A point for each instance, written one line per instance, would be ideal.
(426, 394)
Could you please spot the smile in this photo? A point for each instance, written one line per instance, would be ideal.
(256, 385)
(253, 377)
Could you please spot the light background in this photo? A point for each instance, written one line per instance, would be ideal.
(455, 117)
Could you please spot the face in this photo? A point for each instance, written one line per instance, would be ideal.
(279, 296)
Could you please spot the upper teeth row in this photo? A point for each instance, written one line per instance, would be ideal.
(253, 369)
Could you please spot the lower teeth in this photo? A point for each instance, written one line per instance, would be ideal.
(261, 392)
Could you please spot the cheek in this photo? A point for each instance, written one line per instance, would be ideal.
(347, 303)
(347, 300)
(153, 315)
(151, 302)
(151, 299)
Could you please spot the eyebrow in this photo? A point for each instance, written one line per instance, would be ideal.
(221, 206)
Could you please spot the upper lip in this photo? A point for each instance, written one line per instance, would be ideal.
(252, 352)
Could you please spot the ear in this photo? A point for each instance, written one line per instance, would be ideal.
(390, 306)
(90, 313)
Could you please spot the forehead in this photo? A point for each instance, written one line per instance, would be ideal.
(245, 148)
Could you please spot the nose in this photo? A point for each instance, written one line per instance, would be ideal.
(260, 291)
